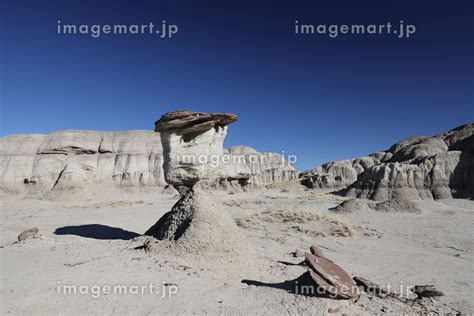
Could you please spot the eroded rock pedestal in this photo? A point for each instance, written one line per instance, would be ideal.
(192, 142)
(195, 225)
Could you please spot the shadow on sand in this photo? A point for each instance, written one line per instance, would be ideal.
(302, 285)
(96, 231)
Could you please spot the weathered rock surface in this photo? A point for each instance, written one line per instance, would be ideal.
(132, 160)
(418, 167)
(442, 176)
(339, 174)
(173, 224)
(248, 167)
(70, 160)
(191, 124)
(193, 146)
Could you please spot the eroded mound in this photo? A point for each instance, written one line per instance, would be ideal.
(352, 205)
(397, 205)
(196, 227)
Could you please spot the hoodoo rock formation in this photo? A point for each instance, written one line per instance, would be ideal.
(195, 225)
(191, 141)
(436, 167)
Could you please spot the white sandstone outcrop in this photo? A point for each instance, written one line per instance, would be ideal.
(418, 167)
(249, 167)
(192, 141)
(339, 174)
(74, 160)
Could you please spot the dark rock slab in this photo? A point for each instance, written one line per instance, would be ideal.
(426, 291)
(185, 122)
(333, 274)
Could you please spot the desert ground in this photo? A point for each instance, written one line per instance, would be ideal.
(93, 241)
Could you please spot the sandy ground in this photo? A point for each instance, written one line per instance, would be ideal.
(401, 249)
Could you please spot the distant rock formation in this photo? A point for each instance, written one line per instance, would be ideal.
(255, 169)
(436, 167)
(339, 174)
(74, 160)
(132, 160)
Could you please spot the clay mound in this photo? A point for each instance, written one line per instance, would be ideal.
(195, 227)
(352, 205)
(397, 205)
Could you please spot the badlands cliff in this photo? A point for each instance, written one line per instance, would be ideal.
(435, 167)
(94, 162)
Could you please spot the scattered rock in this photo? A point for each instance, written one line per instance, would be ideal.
(298, 253)
(369, 286)
(426, 291)
(334, 310)
(329, 288)
(29, 233)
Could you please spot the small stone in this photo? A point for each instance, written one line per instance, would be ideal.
(426, 291)
(31, 232)
(315, 250)
(369, 286)
(298, 253)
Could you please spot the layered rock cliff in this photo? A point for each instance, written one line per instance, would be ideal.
(436, 167)
(98, 161)
(258, 169)
(73, 160)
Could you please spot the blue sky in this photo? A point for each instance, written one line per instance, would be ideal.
(317, 97)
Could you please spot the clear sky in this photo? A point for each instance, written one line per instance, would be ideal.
(314, 96)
